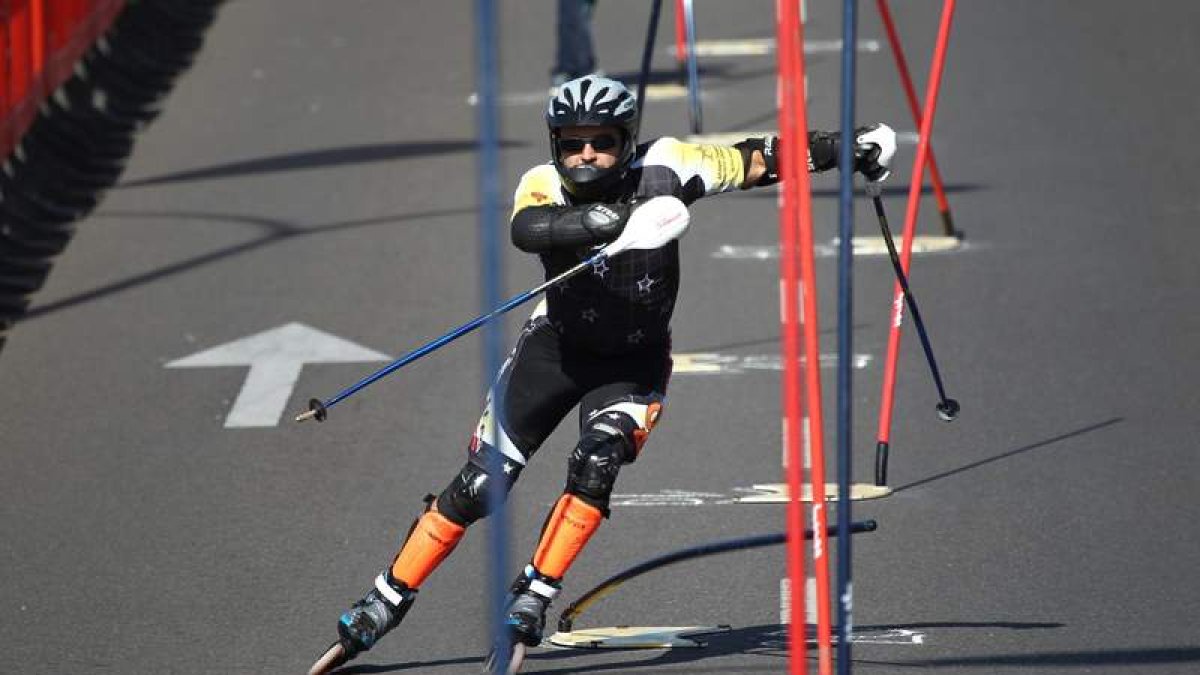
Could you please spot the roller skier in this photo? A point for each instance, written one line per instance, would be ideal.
(599, 341)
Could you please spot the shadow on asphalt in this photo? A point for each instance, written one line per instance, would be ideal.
(1097, 657)
(319, 159)
(278, 231)
(1011, 453)
(770, 641)
(707, 71)
(767, 640)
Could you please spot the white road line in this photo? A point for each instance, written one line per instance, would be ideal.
(810, 601)
(654, 92)
(761, 493)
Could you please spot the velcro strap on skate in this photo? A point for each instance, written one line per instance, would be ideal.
(543, 589)
(385, 589)
(538, 586)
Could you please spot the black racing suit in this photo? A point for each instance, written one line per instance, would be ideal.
(601, 339)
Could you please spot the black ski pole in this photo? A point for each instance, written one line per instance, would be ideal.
(947, 408)
(647, 55)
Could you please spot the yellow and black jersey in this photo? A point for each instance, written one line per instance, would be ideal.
(624, 304)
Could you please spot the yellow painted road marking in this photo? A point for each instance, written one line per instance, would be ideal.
(714, 363)
(776, 493)
(766, 46)
(635, 637)
(654, 92)
(862, 247)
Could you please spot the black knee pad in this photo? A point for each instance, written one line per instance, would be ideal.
(468, 497)
(592, 469)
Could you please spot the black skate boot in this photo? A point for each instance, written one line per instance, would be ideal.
(528, 600)
(367, 620)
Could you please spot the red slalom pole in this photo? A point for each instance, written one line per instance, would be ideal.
(802, 408)
(810, 367)
(910, 93)
(787, 31)
(910, 221)
(680, 32)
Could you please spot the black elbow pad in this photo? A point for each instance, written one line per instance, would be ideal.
(531, 229)
(538, 229)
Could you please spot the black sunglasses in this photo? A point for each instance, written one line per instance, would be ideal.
(603, 142)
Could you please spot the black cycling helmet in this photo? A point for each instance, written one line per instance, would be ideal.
(593, 101)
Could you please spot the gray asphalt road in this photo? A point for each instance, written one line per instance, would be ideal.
(317, 167)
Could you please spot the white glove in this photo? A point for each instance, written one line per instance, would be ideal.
(874, 147)
(653, 224)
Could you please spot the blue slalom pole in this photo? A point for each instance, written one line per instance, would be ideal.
(489, 206)
(845, 587)
(693, 67)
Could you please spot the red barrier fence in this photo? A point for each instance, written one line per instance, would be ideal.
(40, 40)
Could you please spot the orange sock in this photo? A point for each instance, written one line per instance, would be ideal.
(571, 524)
(433, 538)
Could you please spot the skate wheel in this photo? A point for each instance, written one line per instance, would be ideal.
(515, 661)
(332, 658)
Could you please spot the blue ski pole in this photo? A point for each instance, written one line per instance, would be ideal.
(318, 409)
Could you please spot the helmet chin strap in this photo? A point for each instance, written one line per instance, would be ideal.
(590, 183)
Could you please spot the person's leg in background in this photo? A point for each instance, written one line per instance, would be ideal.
(575, 54)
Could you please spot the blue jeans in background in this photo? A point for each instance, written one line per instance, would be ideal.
(575, 56)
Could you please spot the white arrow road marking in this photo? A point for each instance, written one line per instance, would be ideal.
(275, 358)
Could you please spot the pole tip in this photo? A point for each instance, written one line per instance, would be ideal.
(316, 410)
(948, 410)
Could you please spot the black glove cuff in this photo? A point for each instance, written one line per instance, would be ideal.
(769, 147)
(822, 150)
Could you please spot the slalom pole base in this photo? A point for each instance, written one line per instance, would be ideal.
(948, 228)
(316, 410)
(636, 637)
(881, 463)
(777, 493)
(922, 243)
